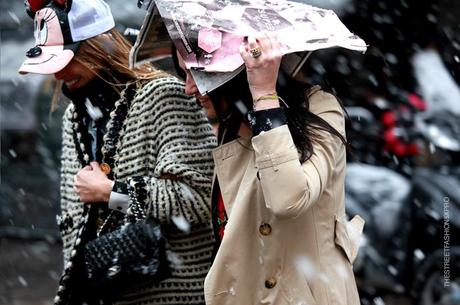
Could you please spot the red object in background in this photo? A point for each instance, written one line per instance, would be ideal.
(392, 142)
(417, 101)
(389, 119)
(390, 137)
(413, 149)
(401, 149)
(395, 145)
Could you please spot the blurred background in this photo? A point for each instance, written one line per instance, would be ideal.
(403, 100)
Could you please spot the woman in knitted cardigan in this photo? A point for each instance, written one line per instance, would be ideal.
(127, 130)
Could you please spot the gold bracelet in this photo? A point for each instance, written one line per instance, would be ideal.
(271, 96)
(270, 100)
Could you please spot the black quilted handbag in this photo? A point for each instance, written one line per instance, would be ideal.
(126, 258)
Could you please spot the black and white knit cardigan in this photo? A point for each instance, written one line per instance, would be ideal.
(164, 133)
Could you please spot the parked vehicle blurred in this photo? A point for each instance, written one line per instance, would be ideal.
(409, 226)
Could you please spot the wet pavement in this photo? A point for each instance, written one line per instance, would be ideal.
(29, 271)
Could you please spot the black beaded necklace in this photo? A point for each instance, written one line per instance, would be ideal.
(68, 284)
(102, 93)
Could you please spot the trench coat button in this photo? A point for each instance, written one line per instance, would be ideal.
(270, 283)
(265, 229)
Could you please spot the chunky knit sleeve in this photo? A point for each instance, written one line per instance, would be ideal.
(67, 145)
(179, 183)
(71, 209)
(69, 161)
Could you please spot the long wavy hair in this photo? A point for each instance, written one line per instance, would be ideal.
(107, 56)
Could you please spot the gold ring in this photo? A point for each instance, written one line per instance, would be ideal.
(256, 52)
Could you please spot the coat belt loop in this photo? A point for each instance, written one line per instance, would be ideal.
(274, 165)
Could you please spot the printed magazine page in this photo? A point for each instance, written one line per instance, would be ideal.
(207, 34)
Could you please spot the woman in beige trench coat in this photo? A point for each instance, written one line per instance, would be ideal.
(278, 194)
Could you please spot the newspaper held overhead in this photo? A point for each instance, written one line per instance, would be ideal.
(208, 33)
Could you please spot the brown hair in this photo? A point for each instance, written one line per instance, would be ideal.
(107, 56)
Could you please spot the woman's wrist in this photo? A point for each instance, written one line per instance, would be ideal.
(106, 189)
(266, 104)
(266, 101)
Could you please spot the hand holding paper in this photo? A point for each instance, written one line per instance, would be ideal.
(208, 34)
(263, 69)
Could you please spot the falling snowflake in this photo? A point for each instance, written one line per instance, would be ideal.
(342, 272)
(393, 270)
(173, 258)
(181, 223)
(22, 281)
(53, 275)
(269, 123)
(261, 260)
(94, 112)
(14, 17)
(378, 301)
(305, 267)
(419, 255)
(262, 244)
(187, 193)
(395, 160)
(432, 148)
(391, 58)
(324, 278)
(363, 240)
(13, 153)
(417, 203)
(19, 107)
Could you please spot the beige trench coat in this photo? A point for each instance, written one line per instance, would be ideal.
(287, 240)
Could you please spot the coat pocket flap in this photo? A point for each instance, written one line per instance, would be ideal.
(348, 235)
